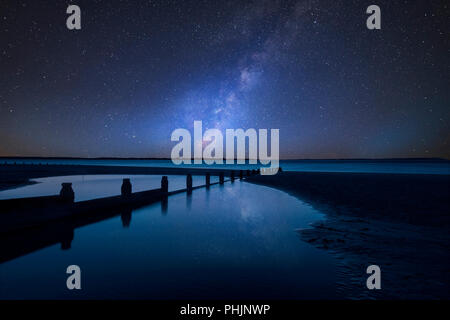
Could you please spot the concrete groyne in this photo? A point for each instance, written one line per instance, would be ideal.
(28, 212)
(30, 224)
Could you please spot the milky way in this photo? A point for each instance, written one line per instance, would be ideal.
(137, 70)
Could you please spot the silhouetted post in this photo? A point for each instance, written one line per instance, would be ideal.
(66, 194)
(241, 175)
(126, 187)
(208, 179)
(164, 184)
(221, 180)
(189, 182)
(232, 176)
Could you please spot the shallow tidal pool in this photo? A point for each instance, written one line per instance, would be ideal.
(233, 241)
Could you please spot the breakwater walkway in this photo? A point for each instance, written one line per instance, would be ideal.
(28, 212)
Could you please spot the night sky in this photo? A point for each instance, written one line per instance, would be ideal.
(139, 69)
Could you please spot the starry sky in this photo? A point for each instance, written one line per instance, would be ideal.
(138, 69)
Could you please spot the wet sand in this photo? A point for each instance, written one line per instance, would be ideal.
(399, 222)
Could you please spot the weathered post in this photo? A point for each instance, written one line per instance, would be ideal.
(208, 179)
(126, 187)
(66, 194)
(241, 175)
(164, 184)
(189, 183)
(232, 175)
(221, 180)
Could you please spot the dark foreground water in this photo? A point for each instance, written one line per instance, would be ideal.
(233, 241)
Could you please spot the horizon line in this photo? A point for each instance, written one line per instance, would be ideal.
(224, 159)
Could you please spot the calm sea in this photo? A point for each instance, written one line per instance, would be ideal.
(377, 166)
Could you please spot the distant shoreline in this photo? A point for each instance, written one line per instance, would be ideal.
(192, 159)
(15, 174)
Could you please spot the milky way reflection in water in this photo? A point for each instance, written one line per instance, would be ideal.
(232, 241)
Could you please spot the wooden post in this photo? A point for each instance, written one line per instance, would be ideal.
(208, 179)
(126, 188)
(232, 175)
(164, 184)
(221, 180)
(66, 194)
(241, 174)
(189, 182)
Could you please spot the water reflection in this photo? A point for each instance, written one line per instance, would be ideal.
(189, 200)
(126, 218)
(233, 241)
(164, 206)
(66, 239)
